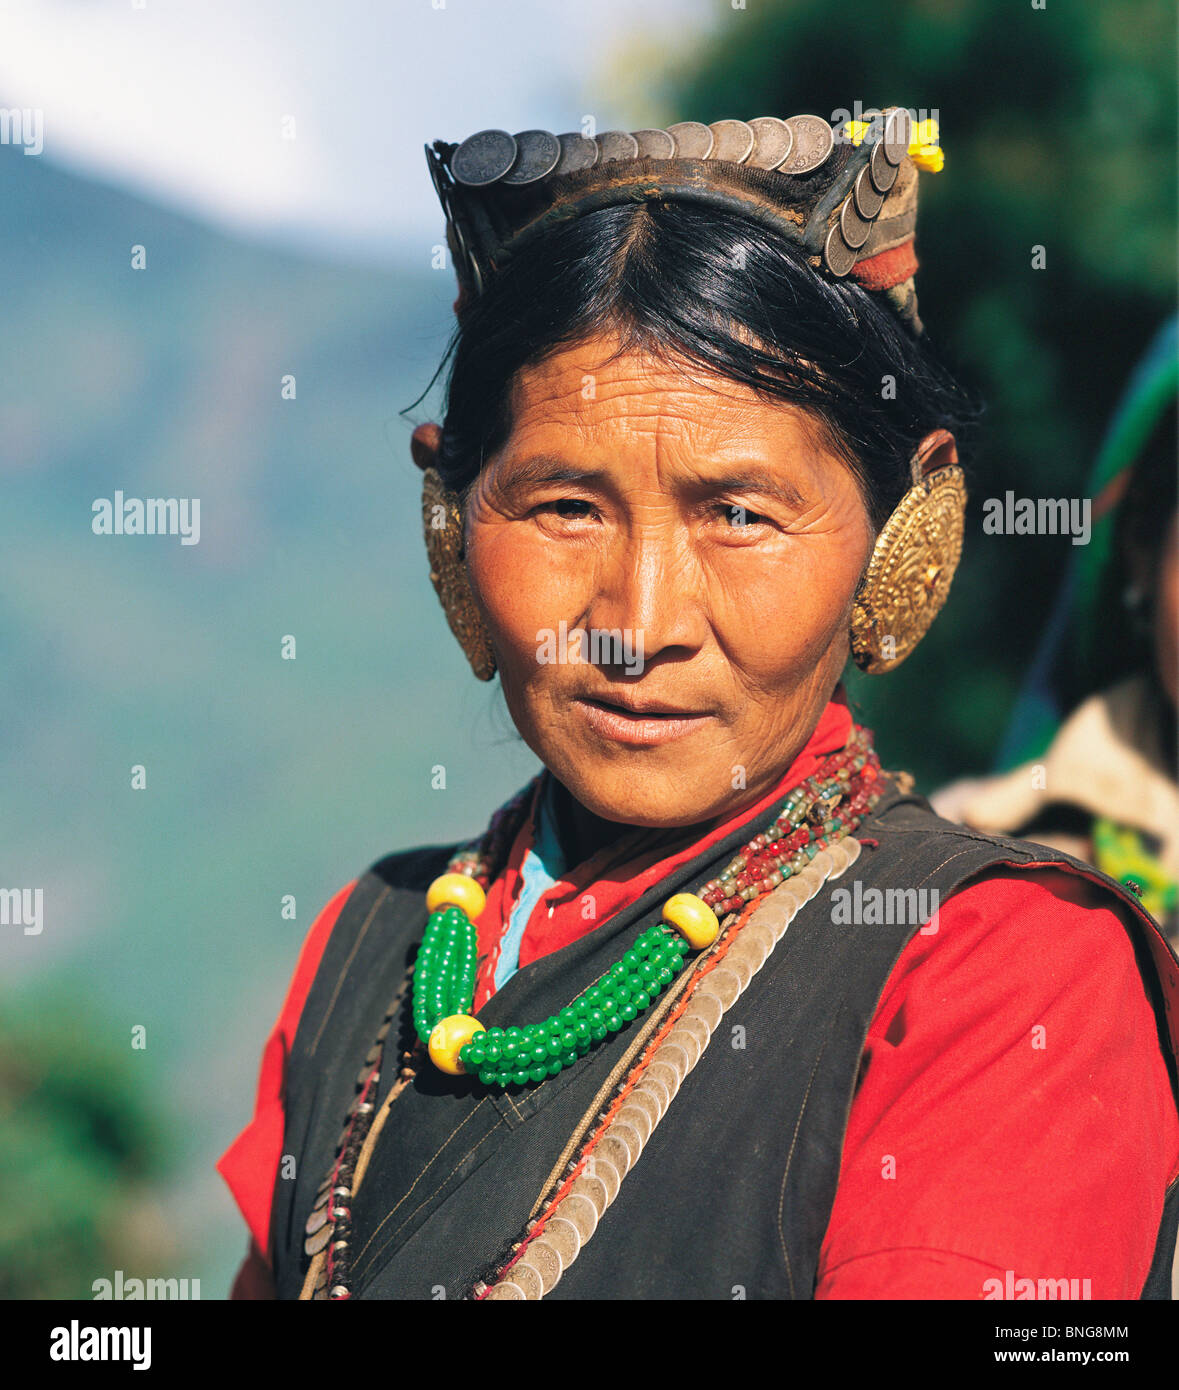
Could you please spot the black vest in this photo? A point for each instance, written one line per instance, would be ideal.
(733, 1192)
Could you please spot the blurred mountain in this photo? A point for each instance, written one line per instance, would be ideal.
(264, 777)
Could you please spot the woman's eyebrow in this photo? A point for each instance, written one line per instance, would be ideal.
(766, 481)
(539, 470)
(543, 469)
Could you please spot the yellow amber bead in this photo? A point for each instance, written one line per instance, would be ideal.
(693, 918)
(456, 890)
(447, 1036)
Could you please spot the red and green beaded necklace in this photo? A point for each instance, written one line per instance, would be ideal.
(444, 973)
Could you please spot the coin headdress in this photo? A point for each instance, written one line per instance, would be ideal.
(845, 195)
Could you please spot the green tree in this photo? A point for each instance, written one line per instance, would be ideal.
(80, 1147)
(1058, 125)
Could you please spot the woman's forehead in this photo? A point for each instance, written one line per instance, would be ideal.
(591, 387)
(636, 431)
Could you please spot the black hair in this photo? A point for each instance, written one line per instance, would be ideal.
(711, 288)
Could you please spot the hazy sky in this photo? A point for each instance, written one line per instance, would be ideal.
(184, 100)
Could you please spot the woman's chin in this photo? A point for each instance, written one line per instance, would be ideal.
(643, 794)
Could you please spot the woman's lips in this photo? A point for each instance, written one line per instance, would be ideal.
(638, 728)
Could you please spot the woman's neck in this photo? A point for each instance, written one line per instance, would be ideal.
(582, 834)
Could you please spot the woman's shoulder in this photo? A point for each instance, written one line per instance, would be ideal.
(343, 916)
(994, 879)
(913, 832)
(1015, 1054)
(411, 869)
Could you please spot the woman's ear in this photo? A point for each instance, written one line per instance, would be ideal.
(424, 445)
(935, 451)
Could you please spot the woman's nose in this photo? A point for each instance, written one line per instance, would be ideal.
(649, 596)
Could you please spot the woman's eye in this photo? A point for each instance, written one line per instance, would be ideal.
(739, 518)
(570, 508)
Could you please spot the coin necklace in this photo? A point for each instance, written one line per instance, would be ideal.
(822, 809)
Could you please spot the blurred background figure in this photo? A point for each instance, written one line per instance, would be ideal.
(1090, 753)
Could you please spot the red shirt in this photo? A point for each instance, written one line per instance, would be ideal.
(1013, 1110)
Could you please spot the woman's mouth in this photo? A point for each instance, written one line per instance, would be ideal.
(639, 724)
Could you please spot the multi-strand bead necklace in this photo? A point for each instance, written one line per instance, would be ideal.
(822, 809)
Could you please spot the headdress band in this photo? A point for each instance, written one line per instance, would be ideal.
(845, 195)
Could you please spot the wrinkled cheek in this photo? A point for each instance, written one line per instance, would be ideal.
(500, 576)
(523, 598)
(779, 634)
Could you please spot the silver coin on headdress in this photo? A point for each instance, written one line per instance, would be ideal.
(732, 141)
(855, 228)
(772, 141)
(483, 157)
(654, 144)
(693, 139)
(616, 144)
(838, 256)
(537, 152)
(868, 200)
(813, 142)
(898, 131)
(577, 152)
(882, 173)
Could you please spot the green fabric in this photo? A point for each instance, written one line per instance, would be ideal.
(1121, 852)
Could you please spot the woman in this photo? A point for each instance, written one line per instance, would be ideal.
(637, 1041)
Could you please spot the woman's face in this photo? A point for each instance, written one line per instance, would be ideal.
(713, 533)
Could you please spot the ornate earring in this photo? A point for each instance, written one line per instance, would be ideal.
(442, 523)
(908, 577)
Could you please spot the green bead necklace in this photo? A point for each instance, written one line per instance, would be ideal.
(517, 1056)
(445, 971)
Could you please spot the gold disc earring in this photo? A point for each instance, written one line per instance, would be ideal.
(442, 524)
(908, 577)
